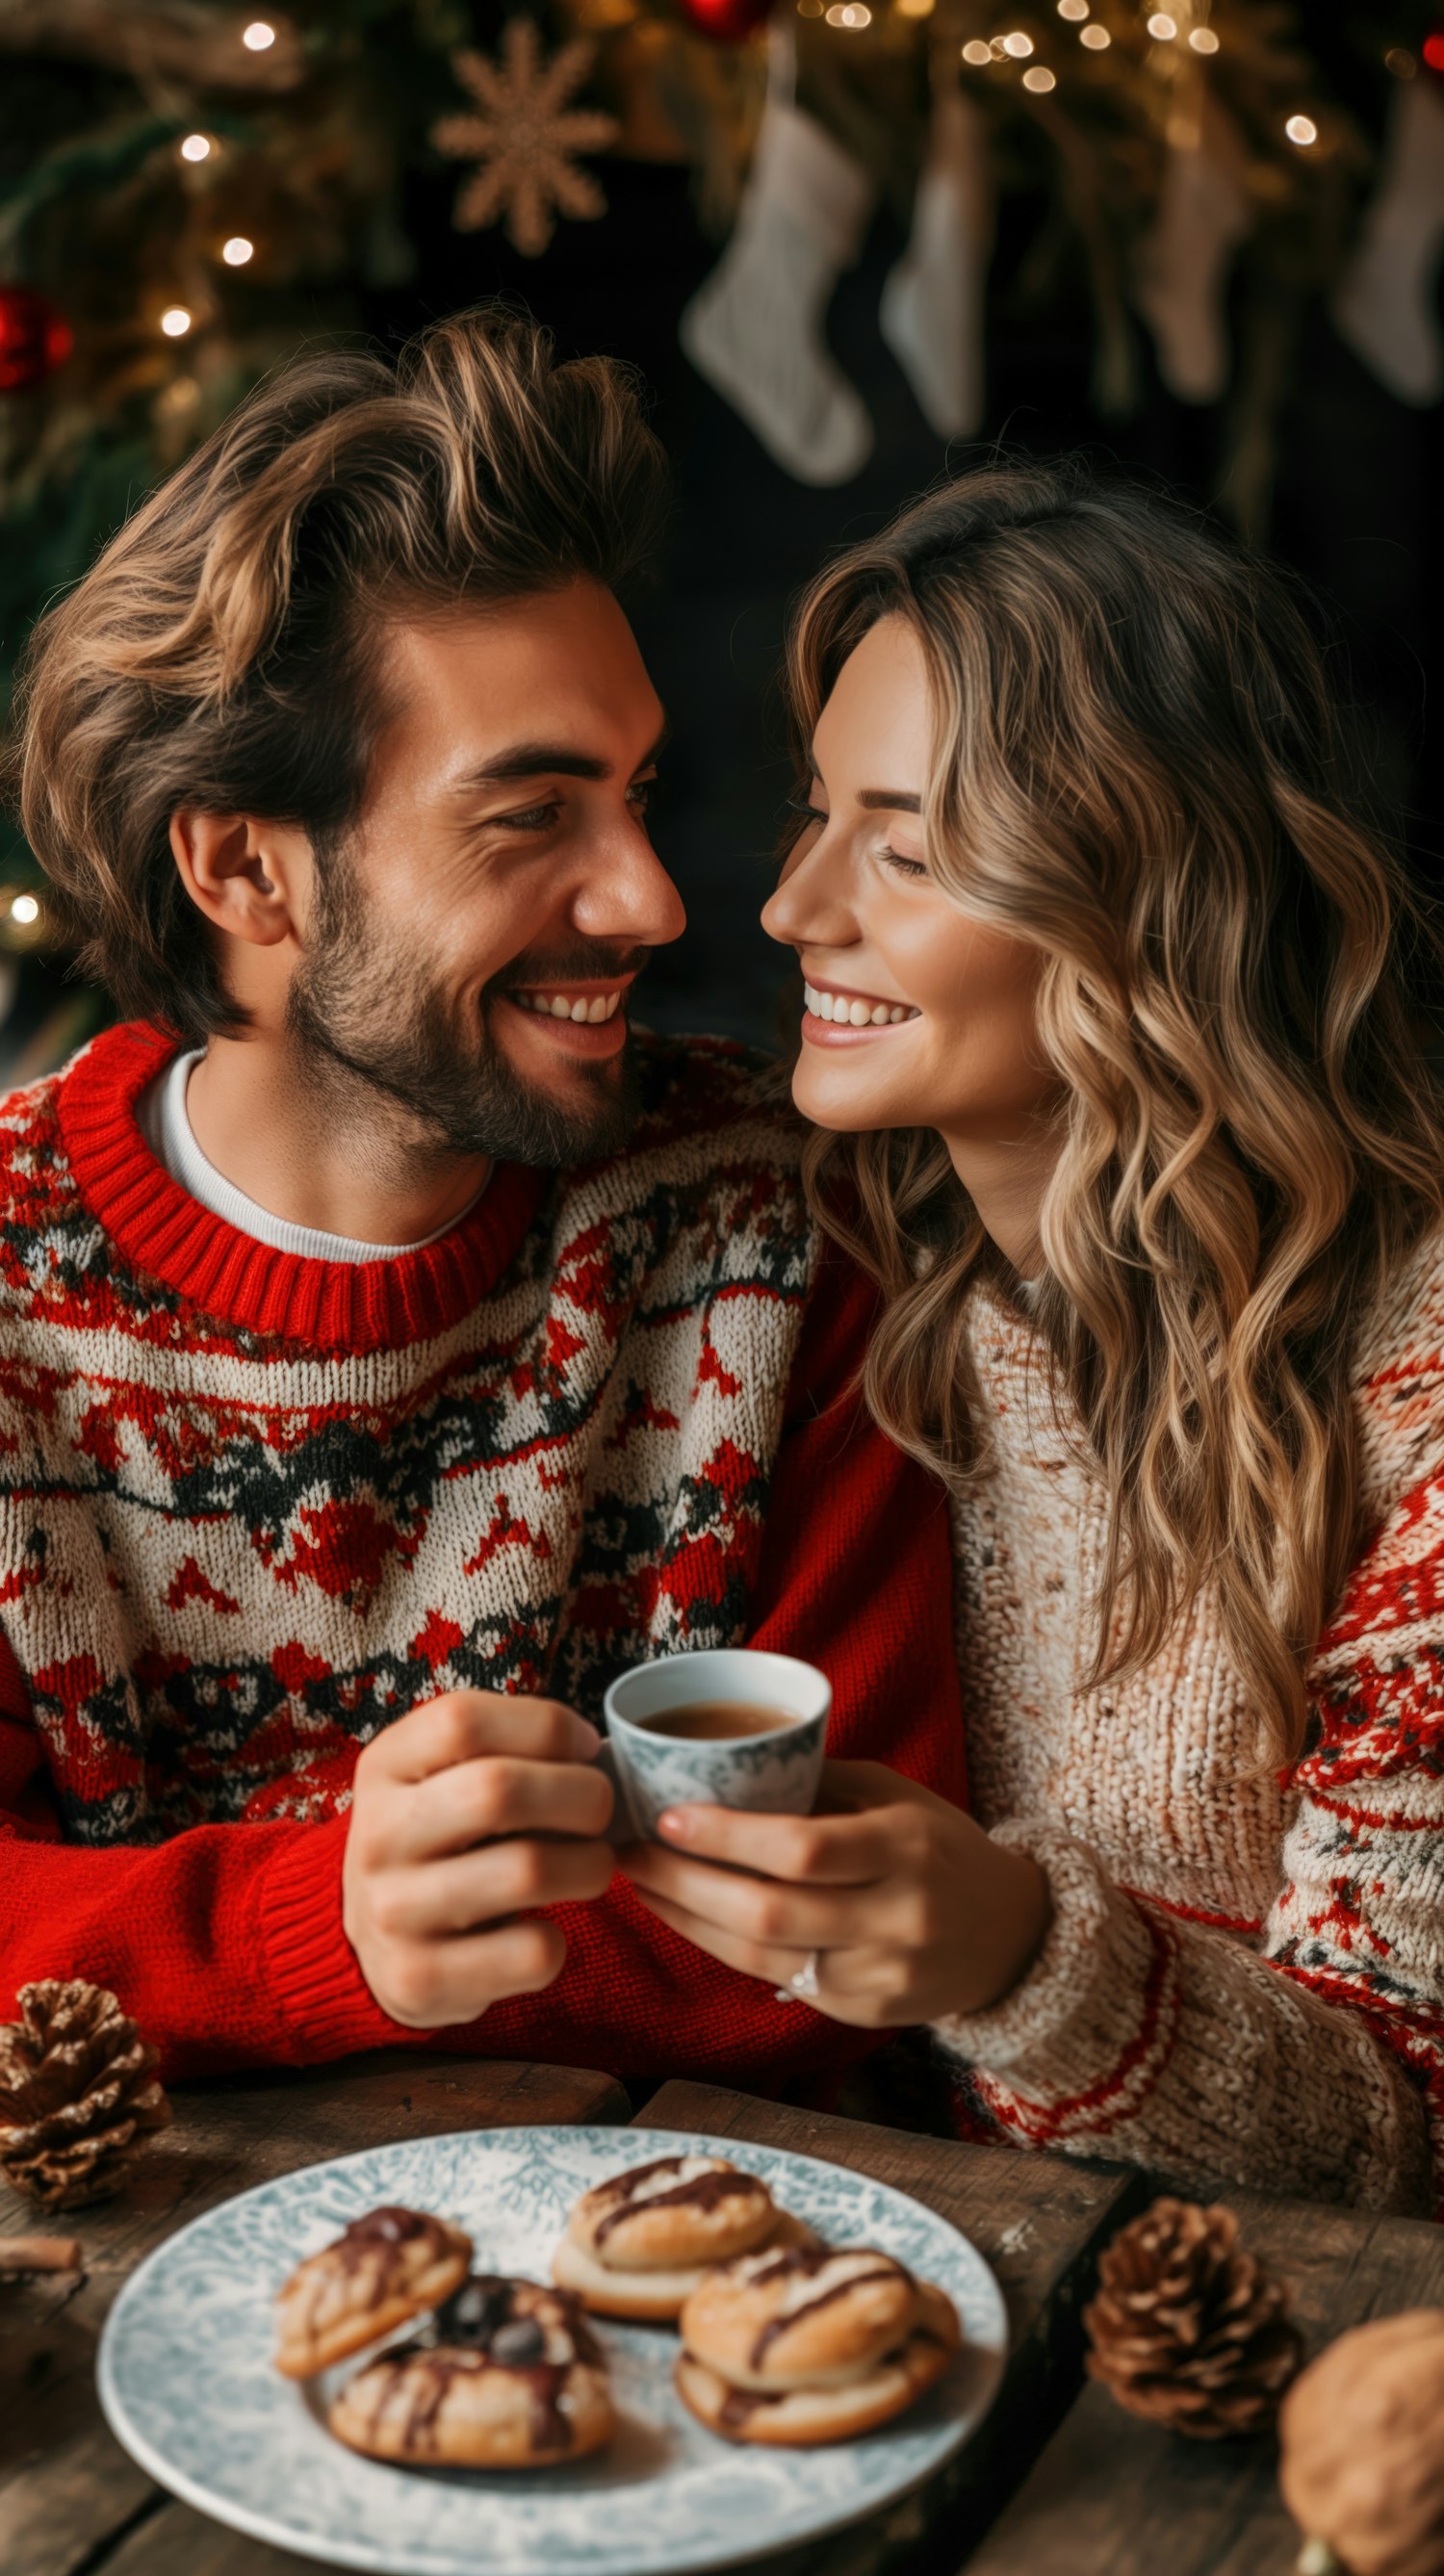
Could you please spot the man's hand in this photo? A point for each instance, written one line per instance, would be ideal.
(913, 1911)
(465, 1812)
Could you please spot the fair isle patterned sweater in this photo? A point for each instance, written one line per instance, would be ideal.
(1244, 1978)
(254, 1507)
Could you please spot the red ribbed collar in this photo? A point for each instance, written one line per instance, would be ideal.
(343, 1306)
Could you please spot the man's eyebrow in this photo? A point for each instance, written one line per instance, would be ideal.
(547, 759)
(534, 760)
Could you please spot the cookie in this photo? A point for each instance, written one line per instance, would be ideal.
(672, 2215)
(389, 2266)
(803, 2317)
(797, 2417)
(507, 2376)
(649, 2297)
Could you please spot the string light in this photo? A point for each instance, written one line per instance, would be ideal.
(177, 398)
(1402, 65)
(1073, 9)
(25, 908)
(916, 8)
(809, 8)
(1302, 130)
(175, 321)
(1203, 40)
(1095, 38)
(852, 14)
(238, 250)
(1039, 79)
(258, 38)
(196, 147)
(1017, 44)
(1433, 52)
(974, 51)
(1162, 28)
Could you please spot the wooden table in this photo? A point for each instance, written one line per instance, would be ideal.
(72, 2502)
(1114, 2497)
(1059, 2484)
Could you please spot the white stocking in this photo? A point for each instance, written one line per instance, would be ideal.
(1384, 305)
(754, 328)
(1184, 262)
(932, 305)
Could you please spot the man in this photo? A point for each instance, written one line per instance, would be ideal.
(391, 1348)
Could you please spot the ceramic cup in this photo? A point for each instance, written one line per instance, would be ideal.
(773, 1774)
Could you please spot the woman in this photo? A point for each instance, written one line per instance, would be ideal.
(1111, 1050)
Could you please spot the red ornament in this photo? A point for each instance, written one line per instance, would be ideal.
(35, 338)
(727, 22)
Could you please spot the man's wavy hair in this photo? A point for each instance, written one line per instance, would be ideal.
(1136, 768)
(224, 651)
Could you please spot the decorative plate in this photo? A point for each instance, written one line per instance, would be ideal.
(187, 2382)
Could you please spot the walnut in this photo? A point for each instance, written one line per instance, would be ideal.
(1362, 2437)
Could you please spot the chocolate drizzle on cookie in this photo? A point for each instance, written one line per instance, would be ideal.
(704, 2191)
(809, 2260)
(378, 2239)
(740, 2405)
(482, 2327)
(473, 2314)
(385, 2227)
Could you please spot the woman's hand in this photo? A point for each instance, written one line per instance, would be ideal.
(913, 1911)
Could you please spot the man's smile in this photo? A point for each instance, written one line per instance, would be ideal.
(584, 1019)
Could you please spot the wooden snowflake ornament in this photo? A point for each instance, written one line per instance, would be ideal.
(525, 138)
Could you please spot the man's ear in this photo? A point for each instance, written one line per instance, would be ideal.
(250, 879)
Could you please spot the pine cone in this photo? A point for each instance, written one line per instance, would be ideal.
(1187, 2329)
(76, 2092)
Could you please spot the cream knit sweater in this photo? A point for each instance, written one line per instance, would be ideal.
(1244, 1977)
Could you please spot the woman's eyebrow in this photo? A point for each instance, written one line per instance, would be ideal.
(889, 800)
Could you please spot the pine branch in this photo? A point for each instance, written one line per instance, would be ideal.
(166, 40)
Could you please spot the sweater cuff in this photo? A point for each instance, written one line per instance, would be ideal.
(1078, 2014)
(315, 1976)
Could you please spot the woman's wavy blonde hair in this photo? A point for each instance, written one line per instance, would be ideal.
(1136, 767)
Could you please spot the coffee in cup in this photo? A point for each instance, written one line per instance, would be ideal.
(728, 1727)
(715, 1721)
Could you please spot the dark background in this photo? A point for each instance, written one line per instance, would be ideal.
(1352, 514)
(1351, 509)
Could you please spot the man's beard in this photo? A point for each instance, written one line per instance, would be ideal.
(392, 1026)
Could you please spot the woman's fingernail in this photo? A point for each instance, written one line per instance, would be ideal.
(589, 1742)
(676, 1823)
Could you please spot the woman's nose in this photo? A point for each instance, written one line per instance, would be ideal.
(809, 907)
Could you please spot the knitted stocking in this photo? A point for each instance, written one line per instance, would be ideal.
(754, 328)
(932, 305)
(1184, 262)
(1384, 306)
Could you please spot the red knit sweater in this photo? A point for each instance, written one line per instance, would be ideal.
(252, 1507)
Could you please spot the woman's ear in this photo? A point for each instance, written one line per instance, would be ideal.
(249, 878)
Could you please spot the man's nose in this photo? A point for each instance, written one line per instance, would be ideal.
(628, 897)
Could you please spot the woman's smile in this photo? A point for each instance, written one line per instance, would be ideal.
(835, 1016)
